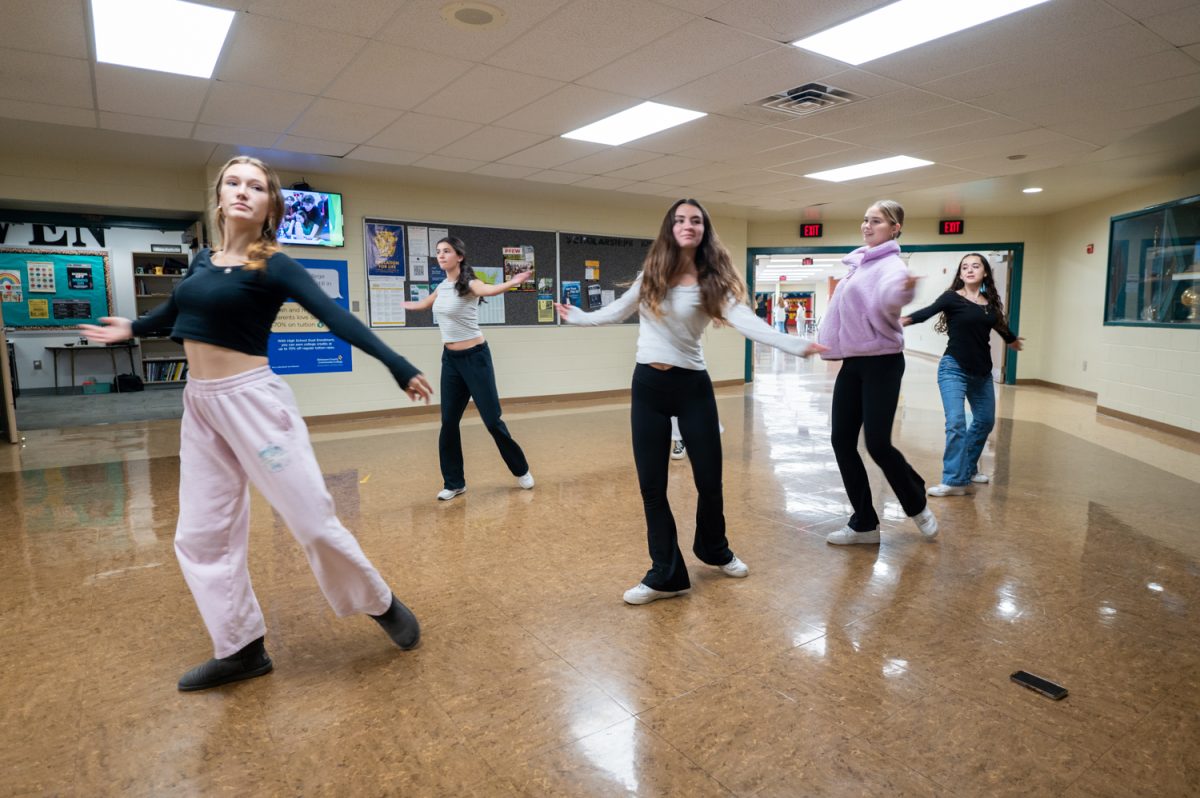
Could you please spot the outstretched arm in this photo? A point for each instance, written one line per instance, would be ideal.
(422, 304)
(480, 288)
(742, 319)
(613, 313)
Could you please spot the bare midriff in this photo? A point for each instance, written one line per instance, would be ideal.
(211, 362)
(458, 346)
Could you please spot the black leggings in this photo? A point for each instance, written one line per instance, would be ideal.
(865, 395)
(468, 374)
(688, 395)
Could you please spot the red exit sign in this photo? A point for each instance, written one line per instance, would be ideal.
(951, 227)
(812, 230)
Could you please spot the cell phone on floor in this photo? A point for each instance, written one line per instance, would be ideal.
(1038, 684)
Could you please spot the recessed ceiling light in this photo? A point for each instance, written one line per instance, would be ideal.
(474, 15)
(905, 24)
(1032, 190)
(634, 123)
(162, 35)
(882, 166)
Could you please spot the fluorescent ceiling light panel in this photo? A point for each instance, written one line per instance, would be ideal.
(1032, 190)
(882, 166)
(634, 123)
(163, 35)
(906, 24)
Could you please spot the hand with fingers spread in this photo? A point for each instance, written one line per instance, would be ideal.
(115, 329)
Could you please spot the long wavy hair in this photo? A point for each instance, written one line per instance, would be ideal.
(267, 244)
(990, 292)
(718, 279)
(466, 274)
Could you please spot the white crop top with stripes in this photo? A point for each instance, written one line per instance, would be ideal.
(457, 316)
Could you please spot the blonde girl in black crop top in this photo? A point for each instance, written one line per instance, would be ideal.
(241, 425)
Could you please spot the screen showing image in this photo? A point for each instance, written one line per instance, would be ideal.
(311, 218)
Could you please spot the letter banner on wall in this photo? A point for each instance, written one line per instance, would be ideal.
(299, 343)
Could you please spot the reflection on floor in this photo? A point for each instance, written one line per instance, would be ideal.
(870, 670)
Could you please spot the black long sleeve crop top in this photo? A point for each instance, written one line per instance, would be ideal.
(970, 326)
(235, 308)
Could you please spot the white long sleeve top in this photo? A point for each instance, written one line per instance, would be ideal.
(674, 337)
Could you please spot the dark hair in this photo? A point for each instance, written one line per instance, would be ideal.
(718, 279)
(465, 273)
(990, 292)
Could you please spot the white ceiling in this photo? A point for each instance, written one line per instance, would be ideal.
(1099, 96)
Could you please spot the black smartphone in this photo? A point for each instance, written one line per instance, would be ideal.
(1037, 683)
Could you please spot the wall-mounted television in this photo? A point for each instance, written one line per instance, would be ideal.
(311, 218)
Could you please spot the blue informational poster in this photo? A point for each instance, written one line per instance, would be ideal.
(571, 293)
(299, 343)
(385, 249)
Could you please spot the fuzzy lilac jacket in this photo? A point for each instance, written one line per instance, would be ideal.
(863, 317)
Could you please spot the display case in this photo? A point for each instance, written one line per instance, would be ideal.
(1154, 266)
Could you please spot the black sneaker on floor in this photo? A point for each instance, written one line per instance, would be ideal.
(251, 661)
(400, 624)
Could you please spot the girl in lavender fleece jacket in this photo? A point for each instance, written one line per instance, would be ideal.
(862, 329)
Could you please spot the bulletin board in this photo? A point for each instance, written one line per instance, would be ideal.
(401, 267)
(600, 264)
(54, 288)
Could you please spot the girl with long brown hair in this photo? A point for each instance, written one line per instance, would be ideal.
(970, 309)
(241, 425)
(687, 280)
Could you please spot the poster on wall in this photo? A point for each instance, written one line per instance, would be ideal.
(385, 248)
(517, 260)
(48, 288)
(491, 309)
(299, 343)
(571, 293)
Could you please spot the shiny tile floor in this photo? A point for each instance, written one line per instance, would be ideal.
(829, 671)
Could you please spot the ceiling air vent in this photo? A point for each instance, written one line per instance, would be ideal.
(808, 99)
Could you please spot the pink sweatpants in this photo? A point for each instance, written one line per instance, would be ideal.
(242, 429)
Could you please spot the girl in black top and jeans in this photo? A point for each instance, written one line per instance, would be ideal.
(970, 310)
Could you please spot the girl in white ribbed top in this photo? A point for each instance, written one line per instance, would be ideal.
(687, 281)
(467, 371)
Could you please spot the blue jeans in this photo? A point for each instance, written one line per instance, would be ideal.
(964, 444)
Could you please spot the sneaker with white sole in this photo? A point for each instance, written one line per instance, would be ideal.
(678, 451)
(847, 536)
(643, 594)
(735, 568)
(947, 490)
(446, 494)
(981, 479)
(526, 481)
(926, 522)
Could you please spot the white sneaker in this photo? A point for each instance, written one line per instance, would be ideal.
(735, 568)
(641, 594)
(446, 494)
(847, 536)
(526, 481)
(981, 479)
(678, 452)
(926, 523)
(947, 490)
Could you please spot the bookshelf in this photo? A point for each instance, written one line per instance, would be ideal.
(154, 278)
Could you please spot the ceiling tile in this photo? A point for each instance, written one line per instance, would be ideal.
(833, 160)
(747, 82)
(486, 93)
(421, 133)
(419, 24)
(40, 112)
(749, 182)
(713, 130)
(566, 109)
(896, 105)
(694, 6)
(45, 79)
(449, 164)
(141, 92)
(788, 20)
(700, 174)
(395, 77)
(128, 123)
(342, 121)
(554, 152)
(699, 48)
(505, 170)
(335, 149)
(747, 141)
(606, 183)
(283, 55)
(789, 153)
(355, 17)
(491, 144)
(586, 35)
(1144, 9)
(554, 176)
(657, 168)
(1180, 27)
(237, 136)
(884, 133)
(236, 105)
(45, 26)
(608, 160)
(656, 189)
(382, 155)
